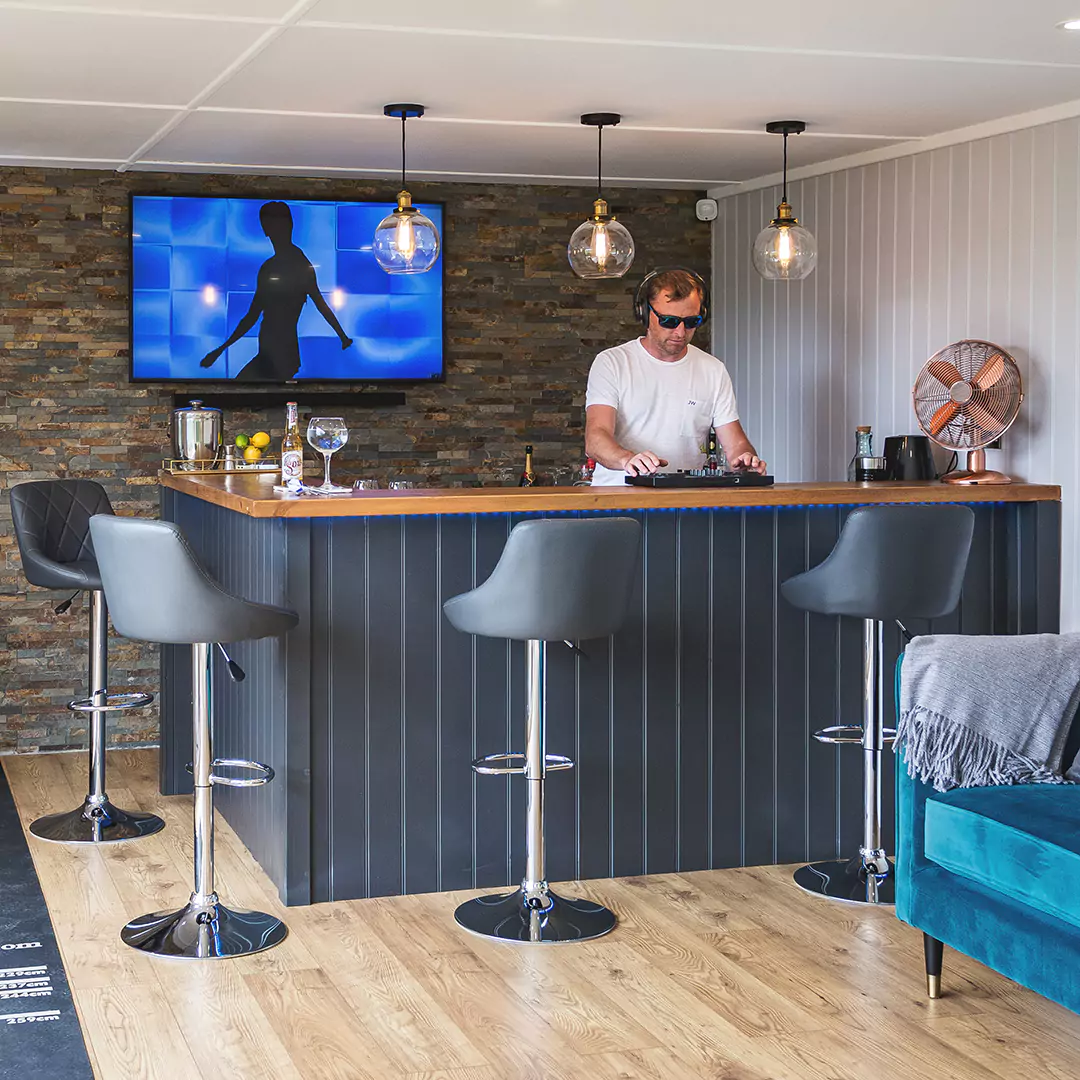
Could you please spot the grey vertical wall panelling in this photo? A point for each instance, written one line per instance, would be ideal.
(456, 708)
(980, 239)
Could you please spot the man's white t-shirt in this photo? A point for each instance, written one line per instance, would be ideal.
(663, 406)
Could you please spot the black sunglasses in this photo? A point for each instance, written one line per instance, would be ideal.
(669, 322)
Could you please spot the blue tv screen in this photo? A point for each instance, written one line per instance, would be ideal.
(272, 291)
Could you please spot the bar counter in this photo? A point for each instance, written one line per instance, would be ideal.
(690, 727)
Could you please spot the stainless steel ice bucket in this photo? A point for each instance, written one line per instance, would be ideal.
(196, 436)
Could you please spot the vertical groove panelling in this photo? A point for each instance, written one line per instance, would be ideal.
(691, 728)
(975, 240)
(628, 728)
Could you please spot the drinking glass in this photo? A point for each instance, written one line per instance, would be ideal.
(327, 434)
(401, 485)
(365, 485)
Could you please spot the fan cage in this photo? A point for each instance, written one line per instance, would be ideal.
(996, 391)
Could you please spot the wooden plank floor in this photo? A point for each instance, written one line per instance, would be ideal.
(730, 974)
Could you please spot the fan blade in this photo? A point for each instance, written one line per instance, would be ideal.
(983, 418)
(943, 371)
(990, 372)
(941, 419)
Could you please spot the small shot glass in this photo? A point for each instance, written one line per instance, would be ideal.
(401, 485)
(365, 485)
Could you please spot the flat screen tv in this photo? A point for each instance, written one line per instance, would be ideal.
(275, 291)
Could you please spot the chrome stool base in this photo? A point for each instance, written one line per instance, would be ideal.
(849, 881)
(509, 918)
(202, 930)
(95, 823)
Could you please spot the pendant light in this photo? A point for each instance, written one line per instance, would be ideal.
(784, 250)
(600, 247)
(406, 242)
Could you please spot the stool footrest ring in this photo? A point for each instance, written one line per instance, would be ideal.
(852, 734)
(487, 766)
(113, 703)
(264, 772)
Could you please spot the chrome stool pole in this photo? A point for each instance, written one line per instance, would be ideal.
(533, 913)
(205, 927)
(98, 821)
(869, 877)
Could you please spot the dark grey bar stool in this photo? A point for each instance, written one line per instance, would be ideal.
(556, 580)
(159, 591)
(889, 563)
(52, 526)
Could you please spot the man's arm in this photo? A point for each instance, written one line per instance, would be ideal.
(601, 445)
(326, 312)
(738, 449)
(242, 327)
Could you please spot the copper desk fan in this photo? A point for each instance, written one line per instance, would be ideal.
(965, 397)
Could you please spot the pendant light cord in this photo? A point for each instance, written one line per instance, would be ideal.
(599, 160)
(403, 149)
(784, 196)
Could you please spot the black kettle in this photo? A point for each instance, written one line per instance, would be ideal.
(909, 457)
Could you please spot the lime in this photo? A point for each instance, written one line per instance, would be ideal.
(260, 439)
(242, 441)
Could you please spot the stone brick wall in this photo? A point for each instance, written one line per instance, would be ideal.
(521, 333)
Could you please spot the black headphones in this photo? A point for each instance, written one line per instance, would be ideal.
(641, 297)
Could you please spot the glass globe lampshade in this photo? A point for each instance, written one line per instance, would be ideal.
(406, 242)
(600, 247)
(784, 250)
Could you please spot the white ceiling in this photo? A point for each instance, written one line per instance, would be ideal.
(298, 85)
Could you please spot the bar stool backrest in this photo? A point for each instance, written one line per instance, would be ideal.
(52, 526)
(890, 562)
(556, 580)
(157, 589)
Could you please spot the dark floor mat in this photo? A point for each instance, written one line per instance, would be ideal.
(40, 1036)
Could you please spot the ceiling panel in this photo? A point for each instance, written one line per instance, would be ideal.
(247, 9)
(320, 143)
(48, 54)
(969, 28)
(358, 71)
(34, 130)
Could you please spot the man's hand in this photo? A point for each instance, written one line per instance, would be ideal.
(211, 358)
(643, 463)
(748, 461)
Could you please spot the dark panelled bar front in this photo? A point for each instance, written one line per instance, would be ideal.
(691, 728)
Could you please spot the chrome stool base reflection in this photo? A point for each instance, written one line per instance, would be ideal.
(95, 823)
(510, 918)
(847, 880)
(204, 929)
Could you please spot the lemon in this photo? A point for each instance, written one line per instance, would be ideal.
(260, 439)
(252, 453)
(242, 441)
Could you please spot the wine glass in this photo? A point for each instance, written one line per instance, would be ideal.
(327, 434)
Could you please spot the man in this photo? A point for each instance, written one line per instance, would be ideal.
(650, 402)
(286, 281)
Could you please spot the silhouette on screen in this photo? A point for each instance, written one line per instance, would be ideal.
(285, 282)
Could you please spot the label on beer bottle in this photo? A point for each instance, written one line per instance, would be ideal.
(292, 466)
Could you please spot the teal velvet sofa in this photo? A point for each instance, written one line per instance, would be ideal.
(994, 872)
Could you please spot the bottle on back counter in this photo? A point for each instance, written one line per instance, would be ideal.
(292, 451)
(528, 476)
(863, 449)
(712, 456)
(585, 476)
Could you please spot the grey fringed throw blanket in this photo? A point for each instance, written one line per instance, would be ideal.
(976, 711)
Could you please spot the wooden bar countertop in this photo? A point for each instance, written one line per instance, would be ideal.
(254, 495)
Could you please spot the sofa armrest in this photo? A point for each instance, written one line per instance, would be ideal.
(911, 796)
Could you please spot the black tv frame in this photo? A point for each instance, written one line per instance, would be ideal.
(307, 386)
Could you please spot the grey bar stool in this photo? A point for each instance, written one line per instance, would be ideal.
(52, 527)
(556, 580)
(889, 563)
(159, 591)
